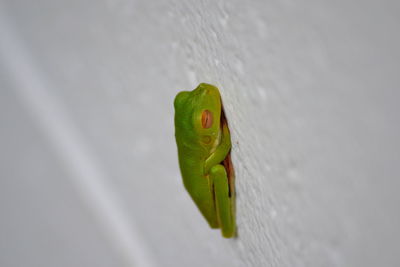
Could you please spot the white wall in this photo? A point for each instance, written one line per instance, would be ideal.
(88, 168)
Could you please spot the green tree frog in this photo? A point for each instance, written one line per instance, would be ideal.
(204, 144)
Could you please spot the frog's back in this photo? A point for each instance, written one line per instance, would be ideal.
(191, 163)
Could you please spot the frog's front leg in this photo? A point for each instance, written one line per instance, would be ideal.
(221, 152)
(223, 202)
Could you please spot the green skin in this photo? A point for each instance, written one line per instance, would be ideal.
(202, 146)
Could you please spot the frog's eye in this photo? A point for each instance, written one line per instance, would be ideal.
(206, 119)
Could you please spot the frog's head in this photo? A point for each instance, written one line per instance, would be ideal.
(197, 115)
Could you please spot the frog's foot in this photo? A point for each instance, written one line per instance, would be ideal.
(223, 201)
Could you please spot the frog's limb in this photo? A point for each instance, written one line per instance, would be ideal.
(221, 152)
(223, 202)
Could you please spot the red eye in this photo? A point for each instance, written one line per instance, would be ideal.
(206, 119)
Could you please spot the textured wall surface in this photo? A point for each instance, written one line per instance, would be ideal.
(88, 165)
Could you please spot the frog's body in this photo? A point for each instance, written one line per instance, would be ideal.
(203, 141)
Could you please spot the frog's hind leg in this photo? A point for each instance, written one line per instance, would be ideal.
(223, 201)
